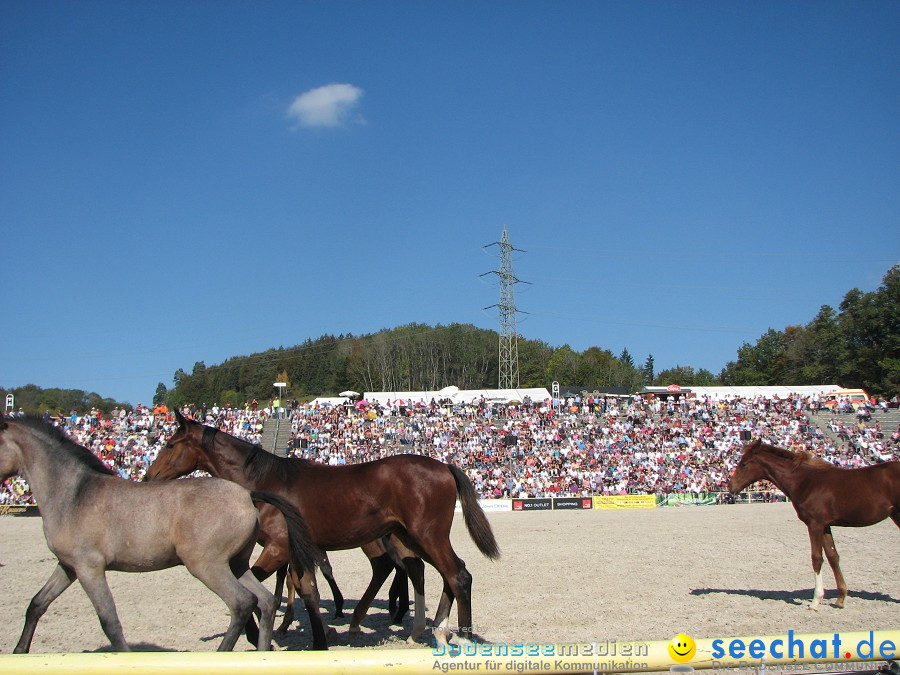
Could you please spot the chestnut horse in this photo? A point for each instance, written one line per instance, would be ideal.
(408, 496)
(823, 496)
(94, 521)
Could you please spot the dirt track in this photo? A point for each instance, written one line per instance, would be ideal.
(563, 577)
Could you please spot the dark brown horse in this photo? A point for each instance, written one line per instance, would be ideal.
(95, 521)
(384, 555)
(408, 496)
(823, 496)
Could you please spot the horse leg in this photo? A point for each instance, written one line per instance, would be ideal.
(241, 602)
(309, 592)
(265, 604)
(457, 586)
(834, 560)
(272, 560)
(896, 518)
(93, 581)
(60, 580)
(398, 595)
(415, 570)
(816, 534)
(438, 551)
(280, 576)
(381, 569)
(325, 567)
(288, 618)
(442, 616)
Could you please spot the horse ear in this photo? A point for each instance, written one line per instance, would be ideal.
(755, 444)
(182, 422)
(2, 421)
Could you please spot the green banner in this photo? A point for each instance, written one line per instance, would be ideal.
(688, 499)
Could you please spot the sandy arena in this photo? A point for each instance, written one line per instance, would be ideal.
(563, 577)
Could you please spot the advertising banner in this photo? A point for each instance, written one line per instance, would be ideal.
(532, 504)
(687, 499)
(625, 502)
(572, 503)
(489, 505)
(19, 510)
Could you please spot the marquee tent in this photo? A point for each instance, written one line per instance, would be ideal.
(411, 398)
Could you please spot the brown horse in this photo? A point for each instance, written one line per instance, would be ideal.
(95, 521)
(823, 496)
(408, 496)
(384, 556)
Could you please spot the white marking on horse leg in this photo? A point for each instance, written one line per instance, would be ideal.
(819, 591)
(419, 622)
(440, 632)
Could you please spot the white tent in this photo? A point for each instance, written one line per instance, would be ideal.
(329, 400)
(536, 394)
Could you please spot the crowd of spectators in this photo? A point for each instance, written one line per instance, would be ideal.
(575, 447)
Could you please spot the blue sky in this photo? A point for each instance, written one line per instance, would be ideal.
(187, 181)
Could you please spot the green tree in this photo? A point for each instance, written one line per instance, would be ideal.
(563, 367)
(161, 394)
(680, 375)
(647, 370)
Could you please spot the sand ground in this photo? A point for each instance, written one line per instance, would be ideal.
(563, 577)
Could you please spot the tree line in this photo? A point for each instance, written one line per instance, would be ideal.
(857, 345)
(414, 357)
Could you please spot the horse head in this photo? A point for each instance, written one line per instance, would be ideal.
(182, 453)
(9, 458)
(749, 470)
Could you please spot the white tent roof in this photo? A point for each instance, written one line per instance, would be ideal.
(329, 400)
(536, 394)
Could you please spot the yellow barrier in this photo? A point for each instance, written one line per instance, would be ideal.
(601, 657)
(625, 502)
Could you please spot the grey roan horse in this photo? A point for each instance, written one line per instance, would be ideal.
(96, 521)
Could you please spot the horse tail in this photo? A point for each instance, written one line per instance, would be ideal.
(301, 543)
(476, 522)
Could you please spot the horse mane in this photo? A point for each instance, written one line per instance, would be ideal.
(799, 457)
(260, 464)
(63, 441)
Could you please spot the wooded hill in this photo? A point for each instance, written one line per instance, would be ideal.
(857, 345)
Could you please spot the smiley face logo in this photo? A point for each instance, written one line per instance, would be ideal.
(682, 648)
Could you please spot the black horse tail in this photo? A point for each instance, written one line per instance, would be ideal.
(301, 543)
(476, 522)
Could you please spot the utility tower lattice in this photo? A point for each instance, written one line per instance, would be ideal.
(509, 347)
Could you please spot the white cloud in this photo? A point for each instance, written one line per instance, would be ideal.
(328, 106)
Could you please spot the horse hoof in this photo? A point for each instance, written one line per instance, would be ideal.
(331, 632)
(354, 630)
